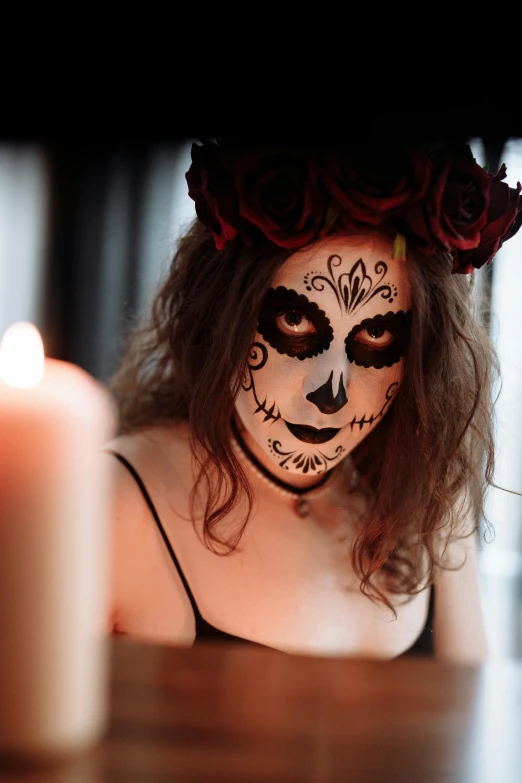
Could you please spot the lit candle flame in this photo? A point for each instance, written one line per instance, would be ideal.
(22, 358)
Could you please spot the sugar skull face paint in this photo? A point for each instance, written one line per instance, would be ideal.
(327, 357)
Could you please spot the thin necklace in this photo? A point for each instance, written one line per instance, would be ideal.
(299, 496)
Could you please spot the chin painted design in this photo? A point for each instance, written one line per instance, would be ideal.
(352, 289)
(390, 394)
(257, 359)
(304, 462)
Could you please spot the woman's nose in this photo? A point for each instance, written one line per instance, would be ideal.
(326, 399)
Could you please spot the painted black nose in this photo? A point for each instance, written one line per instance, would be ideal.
(324, 399)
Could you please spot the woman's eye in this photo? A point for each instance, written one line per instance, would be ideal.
(375, 337)
(294, 322)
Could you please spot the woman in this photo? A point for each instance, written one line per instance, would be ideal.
(305, 422)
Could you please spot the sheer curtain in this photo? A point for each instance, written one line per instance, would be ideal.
(164, 214)
(23, 234)
(501, 560)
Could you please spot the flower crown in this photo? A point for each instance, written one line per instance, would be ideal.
(435, 196)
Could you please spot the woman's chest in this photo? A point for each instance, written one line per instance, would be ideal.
(289, 585)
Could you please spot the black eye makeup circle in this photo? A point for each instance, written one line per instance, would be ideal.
(367, 355)
(288, 303)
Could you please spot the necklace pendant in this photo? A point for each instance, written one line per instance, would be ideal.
(302, 508)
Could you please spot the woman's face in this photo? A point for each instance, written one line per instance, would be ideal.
(327, 357)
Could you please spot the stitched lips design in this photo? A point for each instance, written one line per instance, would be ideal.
(311, 434)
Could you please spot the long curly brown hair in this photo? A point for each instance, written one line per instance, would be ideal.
(424, 466)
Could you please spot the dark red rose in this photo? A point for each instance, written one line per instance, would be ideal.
(211, 186)
(370, 184)
(504, 218)
(279, 193)
(455, 209)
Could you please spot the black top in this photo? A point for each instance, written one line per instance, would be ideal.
(205, 632)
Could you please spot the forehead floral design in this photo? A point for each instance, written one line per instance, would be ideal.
(435, 196)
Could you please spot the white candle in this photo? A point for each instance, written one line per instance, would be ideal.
(54, 551)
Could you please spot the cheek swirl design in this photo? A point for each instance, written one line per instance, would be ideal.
(390, 393)
(304, 461)
(258, 357)
(352, 289)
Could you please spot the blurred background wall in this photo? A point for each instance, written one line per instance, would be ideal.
(87, 232)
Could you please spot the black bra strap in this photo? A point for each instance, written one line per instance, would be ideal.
(431, 609)
(150, 504)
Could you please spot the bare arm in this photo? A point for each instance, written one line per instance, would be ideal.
(125, 510)
(458, 628)
(147, 599)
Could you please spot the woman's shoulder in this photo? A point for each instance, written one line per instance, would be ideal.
(158, 453)
(157, 465)
(149, 442)
(154, 470)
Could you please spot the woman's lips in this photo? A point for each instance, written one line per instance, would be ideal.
(311, 434)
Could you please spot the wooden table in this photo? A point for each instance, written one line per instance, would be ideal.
(232, 713)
